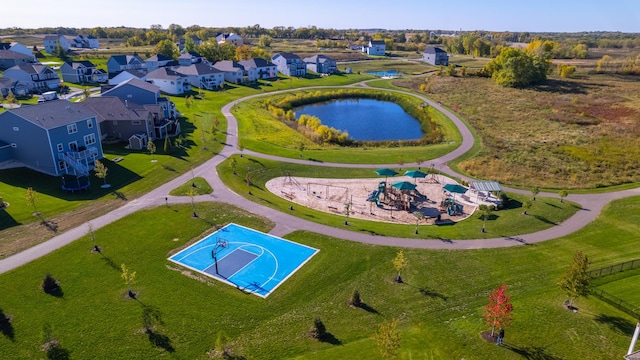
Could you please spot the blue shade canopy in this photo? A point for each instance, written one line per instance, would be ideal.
(386, 172)
(455, 188)
(415, 174)
(404, 185)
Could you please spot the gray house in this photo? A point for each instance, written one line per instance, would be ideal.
(189, 58)
(10, 58)
(119, 120)
(56, 137)
(82, 72)
(321, 64)
(202, 76)
(18, 88)
(289, 64)
(38, 77)
(435, 56)
(119, 63)
(235, 73)
(157, 61)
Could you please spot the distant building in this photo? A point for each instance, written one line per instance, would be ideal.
(375, 47)
(51, 41)
(169, 81)
(265, 69)
(85, 42)
(435, 56)
(289, 64)
(119, 63)
(232, 38)
(202, 76)
(82, 72)
(181, 43)
(321, 64)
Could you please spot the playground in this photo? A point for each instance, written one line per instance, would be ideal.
(396, 199)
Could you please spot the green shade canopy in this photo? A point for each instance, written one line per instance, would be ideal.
(404, 185)
(455, 188)
(415, 174)
(386, 172)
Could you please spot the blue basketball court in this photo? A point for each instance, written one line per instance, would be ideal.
(250, 260)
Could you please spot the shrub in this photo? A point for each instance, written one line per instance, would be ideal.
(50, 285)
(355, 299)
(318, 331)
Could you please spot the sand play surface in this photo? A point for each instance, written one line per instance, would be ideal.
(330, 195)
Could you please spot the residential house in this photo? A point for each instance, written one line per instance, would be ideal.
(375, 47)
(235, 39)
(38, 77)
(56, 137)
(10, 58)
(235, 73)
(181, 43)
(321, 64)
(118, 63)
(15, 46)
(126, 75)
(435, 56)
(51, 41)
(82, 72)
(191, 57)
(157, 61)
(169, 81)
(119, 119)
(146, 94)
(289, 64)
(202, 76)
(18, 88)
(265, 69)
(85, 42)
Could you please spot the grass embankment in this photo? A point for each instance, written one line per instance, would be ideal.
(199, 185)
(439, 307)
(546, 212)
(261, 132)
(570, 133)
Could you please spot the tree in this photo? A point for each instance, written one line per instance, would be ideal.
(50, 285)
(301, 147)
(602, 65)
(234, 163)
(498, 311)
(400, 263)
(535, 191)
(355, 300)
(32, 199)
(565, 70)
(101, 173)
(167, 145)
(190, 45)
(129, 278)
(387, 339)
(264, 40)
(485, 211)
(151, 147)
(575, 281)
(419, 217)
(240, 147)
(96, 248)
(86, 93)
(347, 209)
(563, 194)
(318, 331)
(243, 53)
(516, 68)
(167, 48)
(526, 205)
(193, 192)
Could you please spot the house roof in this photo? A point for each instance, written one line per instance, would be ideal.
(126, 59)
(320, 58)
(136, 83)
(286, 55)
(433, 50)
(255, 63)
(52, 37)
(77, 64)
(197, 69)
(190, 55)
(159, 57)
(228, 66)
(164, 74)
(377, 42)
(10, 54)
(113, 108)
(31, 68)
(53, 114)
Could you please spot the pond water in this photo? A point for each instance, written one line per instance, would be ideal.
(365, 119)
(384, 73)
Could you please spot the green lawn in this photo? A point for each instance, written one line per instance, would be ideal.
(545, 212)
(624, 286)
(198, 184)
(439, 307)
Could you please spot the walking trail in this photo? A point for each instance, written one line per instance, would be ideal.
(592, 204)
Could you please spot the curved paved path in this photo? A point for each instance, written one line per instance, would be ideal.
(592, 204)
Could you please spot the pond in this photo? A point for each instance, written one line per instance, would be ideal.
(365, 119)
(384, 73)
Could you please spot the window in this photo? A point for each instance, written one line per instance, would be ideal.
(73, 146)
(90, 124)
(60, 147)
(61, 165)
(89, 139)
(72, 128)
(135, 122)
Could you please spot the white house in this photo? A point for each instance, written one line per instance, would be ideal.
(169, 81)
(51, 41)
(126, 75)
(232, 38)
(203, 76)
(85, 42)
(265, 69)
(38, 77)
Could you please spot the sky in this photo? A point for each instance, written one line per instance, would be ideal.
(490, 15)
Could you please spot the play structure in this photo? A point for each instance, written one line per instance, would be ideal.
(75, 182)
(450, 206)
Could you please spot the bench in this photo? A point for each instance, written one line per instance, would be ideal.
(287, 195)
(333, 208)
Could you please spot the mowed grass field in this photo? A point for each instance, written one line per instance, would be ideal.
(439, 307)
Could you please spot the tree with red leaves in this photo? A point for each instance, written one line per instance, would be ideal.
(498, 310)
